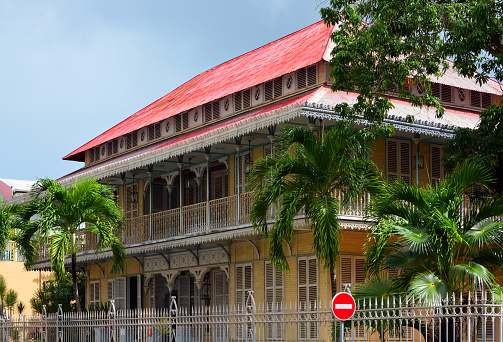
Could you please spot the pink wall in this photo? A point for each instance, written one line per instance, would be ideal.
(5, 191)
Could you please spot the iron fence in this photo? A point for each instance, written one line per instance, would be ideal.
(476, 317)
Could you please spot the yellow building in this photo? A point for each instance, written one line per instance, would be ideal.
(179, 167)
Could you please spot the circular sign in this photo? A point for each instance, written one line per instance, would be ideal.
(343, 306)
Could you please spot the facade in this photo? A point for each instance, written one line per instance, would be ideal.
(179, 167)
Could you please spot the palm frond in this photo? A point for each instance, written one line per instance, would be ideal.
(428, 288)
(471, 274)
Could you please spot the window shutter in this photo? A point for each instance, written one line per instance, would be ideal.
(273, 298)
(151, 132)
(278, 87)
(475, 98)
(238, 97)
(446, 93)
(243, 284)
(398, 160)
(301, 78)
(157, 129)
(486, 100)
(246, 98)
(185, 119)
(307, 268)
(184, 292)
(216, 110)
(351, 269)
(120, 293)
(110, 290)
(220, 289)
(178, 123)
(269, 90)
(94, 293)
(151, 290)
(437, 169)
(207, 112)
(311, 75)
(435, 90)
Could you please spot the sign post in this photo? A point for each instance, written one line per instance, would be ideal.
(343, 307)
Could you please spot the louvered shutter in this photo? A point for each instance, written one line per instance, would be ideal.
(120, 293)
(184, 292)
(273, 298)
(475, 98)
(311, 75)
(486, 100)
(351, 269)
(243, 284)
(110, 290)
(94, 293)
(307, 293)
(436, 167)
(220, 289)
(301, 78)
(398, 160)
(220, 186)
(151, 292)
(244, 164)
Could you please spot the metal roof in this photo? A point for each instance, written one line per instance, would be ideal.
(297, 50)
(318, 102)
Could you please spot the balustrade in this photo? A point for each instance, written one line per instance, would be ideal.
(222, 213)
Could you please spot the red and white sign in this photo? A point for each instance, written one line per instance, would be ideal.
(343, 306)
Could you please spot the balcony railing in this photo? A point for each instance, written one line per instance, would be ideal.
(196, 218)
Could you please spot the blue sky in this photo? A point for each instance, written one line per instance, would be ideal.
(69, 70)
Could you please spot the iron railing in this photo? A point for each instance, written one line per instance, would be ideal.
(469, 318)
(196, 218)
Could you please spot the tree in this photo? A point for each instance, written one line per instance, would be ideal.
(438, 239)
(56, 216)
(8, 298)
(385, 44)
(58, 291)
(9, 221)
(380, 44)
(304, 176)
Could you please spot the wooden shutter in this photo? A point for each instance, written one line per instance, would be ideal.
(220, 183)
(110, 290)
(94, 293)
(301, 78)
(351, 270)
(220, 289)
(311, 75)
(273, 298)
(307, 268)
(245, 160)
(278, 87)
(184, 291)
(243, 284)
(120, 293)
(436, 167)
(398, 160)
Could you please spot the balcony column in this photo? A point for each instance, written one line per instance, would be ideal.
(416, 142)
(180, 166)
(238, 170)
(150, 196)
(170, 184)
(199, 171)
(124, 206)
(207, 157)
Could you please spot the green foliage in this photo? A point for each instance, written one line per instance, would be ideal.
(484, 143)
(304, 175)
(8, 298)
(434, 240)
(54, 292)
(9, 221)
(20, 308)
(381, 43)
(55, 216)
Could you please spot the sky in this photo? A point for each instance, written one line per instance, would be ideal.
(70, 70)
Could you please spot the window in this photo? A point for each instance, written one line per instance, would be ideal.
(243, 283)
(398, 160)
(273, 298)
(220, 289)
(307, 268)
(351, 270)
(110, 290)
(436, 167)
(119, 292)
(245, 161)
(94, 293)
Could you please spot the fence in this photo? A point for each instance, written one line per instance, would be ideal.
(470, 318)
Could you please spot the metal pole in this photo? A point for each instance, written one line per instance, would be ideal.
(180, 165)
(342, 331)
(150, 195)
(207, 156)
(238, 148)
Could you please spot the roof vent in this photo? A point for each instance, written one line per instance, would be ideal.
(462, 95)
(142, 136)
(121, 143)
(289, 83)
(258, 94)
(167, 127)
(226, 106)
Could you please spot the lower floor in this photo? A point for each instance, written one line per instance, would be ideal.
(223, 273)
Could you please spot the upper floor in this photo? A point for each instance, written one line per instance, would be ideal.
(179, 165)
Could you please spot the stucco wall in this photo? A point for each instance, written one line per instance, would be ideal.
(25, 283)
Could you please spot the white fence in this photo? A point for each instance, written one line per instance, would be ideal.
(469, 318)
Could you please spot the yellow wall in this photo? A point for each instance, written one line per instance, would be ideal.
(25, 283)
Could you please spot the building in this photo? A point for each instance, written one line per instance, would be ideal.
(179, 167)
(13, 187)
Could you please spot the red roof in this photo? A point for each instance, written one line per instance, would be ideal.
(287, 54)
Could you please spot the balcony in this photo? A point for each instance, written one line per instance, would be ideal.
(193, 219)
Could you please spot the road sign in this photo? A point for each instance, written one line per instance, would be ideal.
(343, 306)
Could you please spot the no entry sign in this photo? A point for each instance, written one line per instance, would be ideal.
(343, 306)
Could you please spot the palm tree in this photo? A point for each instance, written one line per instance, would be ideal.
(56, 216)
(9, 221)
(304, 176)
(433, 240)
